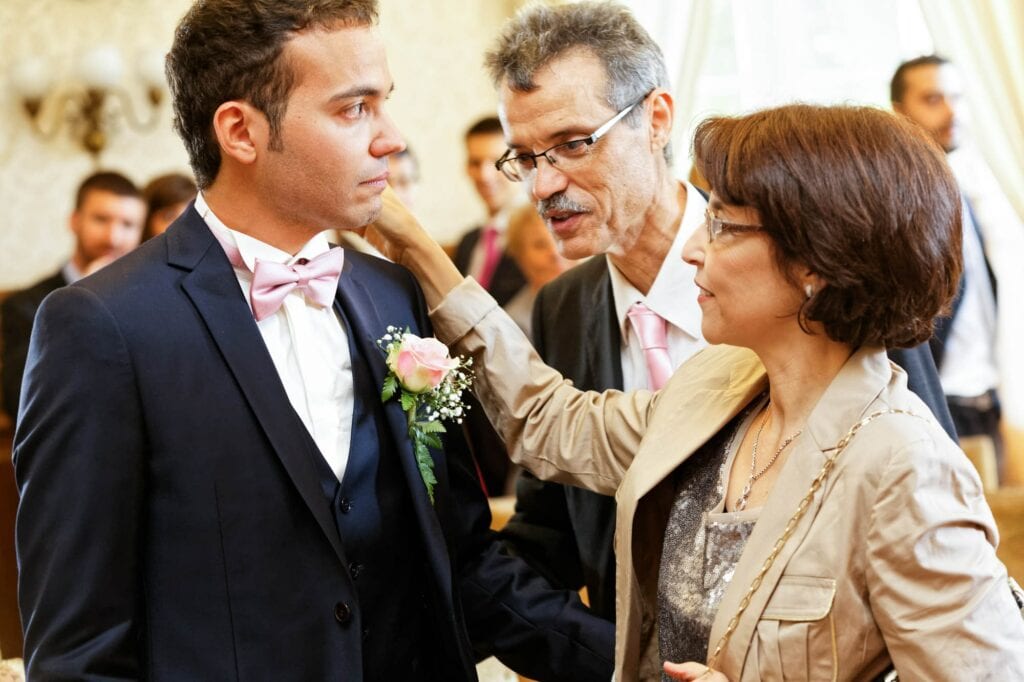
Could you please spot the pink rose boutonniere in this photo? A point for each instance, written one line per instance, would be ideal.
(429, 385)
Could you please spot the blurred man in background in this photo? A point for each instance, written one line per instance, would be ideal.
(404, 176)
(929, 91)
(106, 223)
(481, 252)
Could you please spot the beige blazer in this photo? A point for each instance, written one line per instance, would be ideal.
(893, 561)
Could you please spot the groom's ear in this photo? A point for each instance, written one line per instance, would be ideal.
(241, 130)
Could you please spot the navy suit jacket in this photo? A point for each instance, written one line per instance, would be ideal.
(567, 533)
(171, 524)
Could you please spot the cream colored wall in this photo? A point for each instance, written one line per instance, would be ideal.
(435, 50)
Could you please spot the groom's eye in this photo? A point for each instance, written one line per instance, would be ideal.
(355, 111)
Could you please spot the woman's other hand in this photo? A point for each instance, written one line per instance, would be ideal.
(692, 670)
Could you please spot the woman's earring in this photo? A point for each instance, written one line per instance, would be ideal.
(809, 290)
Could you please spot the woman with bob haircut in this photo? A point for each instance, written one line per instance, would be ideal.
(787, 508)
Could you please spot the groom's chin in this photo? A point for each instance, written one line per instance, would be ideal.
(375, 210)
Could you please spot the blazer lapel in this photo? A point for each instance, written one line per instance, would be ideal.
(213, 289)
(710, 390)
(844, 403)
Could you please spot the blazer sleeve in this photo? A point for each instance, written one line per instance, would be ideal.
(79, 466)
(936, 588)
(586, 439)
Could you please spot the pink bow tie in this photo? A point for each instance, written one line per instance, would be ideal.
(272, 282)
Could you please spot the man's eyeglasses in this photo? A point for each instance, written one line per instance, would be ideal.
(716, 226)
(564, 156)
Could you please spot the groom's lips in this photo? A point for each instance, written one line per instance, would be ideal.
(379, 181)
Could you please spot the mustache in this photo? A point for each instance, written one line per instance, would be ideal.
(559, 202)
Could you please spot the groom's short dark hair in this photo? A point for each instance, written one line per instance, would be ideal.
(231, 49)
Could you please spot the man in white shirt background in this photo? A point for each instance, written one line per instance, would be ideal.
(929, 91)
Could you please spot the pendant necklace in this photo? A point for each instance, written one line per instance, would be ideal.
(741, 501)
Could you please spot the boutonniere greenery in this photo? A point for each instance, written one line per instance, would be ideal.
(429, 384)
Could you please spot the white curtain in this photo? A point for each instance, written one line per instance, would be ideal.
(985, 39)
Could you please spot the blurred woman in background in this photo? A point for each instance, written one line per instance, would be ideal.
(167, 197)
(529, 242)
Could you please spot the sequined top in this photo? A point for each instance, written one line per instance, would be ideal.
(702, 545)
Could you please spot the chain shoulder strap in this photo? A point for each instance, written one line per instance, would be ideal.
(801, 509)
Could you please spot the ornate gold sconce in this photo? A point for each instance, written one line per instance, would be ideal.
(95, 105)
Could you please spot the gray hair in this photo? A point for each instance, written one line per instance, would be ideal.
(539, 34)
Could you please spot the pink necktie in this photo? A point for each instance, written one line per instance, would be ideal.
(652, 330)
(272, 282)
(492, 254)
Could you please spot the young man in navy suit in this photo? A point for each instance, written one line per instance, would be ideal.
(211, 487)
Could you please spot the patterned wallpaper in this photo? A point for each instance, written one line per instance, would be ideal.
(435, 51)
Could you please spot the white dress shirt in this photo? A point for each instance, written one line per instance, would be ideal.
(308, 344)
(673, 296)
(968, 360)
(71, 273)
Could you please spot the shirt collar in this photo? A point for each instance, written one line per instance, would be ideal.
(673, 294)
(71, 273)
(251, 248)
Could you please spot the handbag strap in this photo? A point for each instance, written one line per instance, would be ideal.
(801, 509)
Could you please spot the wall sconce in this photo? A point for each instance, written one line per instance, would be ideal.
(93, 107)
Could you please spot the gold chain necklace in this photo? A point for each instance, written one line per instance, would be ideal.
(741, 501)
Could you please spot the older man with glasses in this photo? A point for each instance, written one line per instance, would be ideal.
(587, 85)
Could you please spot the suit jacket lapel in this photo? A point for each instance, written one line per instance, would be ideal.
(602, 353)
(213, 289)
(366, 328)
(844, 403)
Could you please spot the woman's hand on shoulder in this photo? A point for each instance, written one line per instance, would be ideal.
(692, 670)
(396, 229)
(398, 235)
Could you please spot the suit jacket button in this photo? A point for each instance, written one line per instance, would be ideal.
(345, 505)
(354, 569)
(342, 613)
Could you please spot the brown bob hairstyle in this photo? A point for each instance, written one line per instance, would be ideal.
(861, 197)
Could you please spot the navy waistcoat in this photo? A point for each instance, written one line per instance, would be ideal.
(375, 520)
